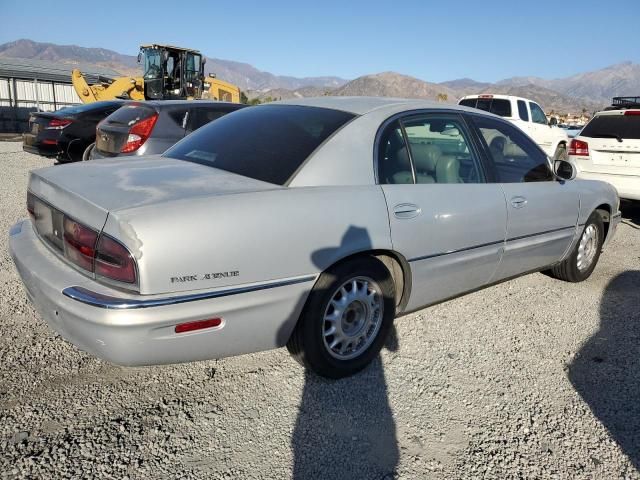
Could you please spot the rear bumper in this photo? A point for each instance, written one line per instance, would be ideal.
(140, 330)
(628, 186)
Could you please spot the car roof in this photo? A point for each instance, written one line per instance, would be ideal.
(364, 105)
(170, 103)
(499, 96)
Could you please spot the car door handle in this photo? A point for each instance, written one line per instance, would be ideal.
(518, 202)
(406, 210)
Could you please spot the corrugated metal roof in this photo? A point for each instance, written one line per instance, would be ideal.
(50, 71)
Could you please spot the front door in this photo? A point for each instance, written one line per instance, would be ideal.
(444, 218)
(542, 211)
(540, 130)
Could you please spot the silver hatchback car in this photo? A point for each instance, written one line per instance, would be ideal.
(310, 223)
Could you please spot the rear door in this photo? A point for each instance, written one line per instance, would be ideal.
(542, 212)
(614, 143)
(445, 218)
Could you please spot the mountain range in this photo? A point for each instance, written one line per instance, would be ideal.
(586, 91)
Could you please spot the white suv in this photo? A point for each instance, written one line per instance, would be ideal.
(528, 116)
(608, 147)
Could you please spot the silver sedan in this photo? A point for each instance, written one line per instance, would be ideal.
(311, 224)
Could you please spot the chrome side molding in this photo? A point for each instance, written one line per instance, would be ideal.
(99, 300)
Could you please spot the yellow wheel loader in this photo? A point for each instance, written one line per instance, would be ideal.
(170, 73)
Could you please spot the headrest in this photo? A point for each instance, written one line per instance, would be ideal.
(425, 157)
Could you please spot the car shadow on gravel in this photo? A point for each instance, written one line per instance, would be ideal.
(345, 429)
(606, 370)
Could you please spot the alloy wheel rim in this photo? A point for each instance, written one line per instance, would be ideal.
(587, 247)
(352, 318)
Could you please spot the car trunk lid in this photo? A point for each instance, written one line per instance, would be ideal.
(113, 132)
(88, 191)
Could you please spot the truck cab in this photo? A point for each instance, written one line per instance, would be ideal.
(528, 116)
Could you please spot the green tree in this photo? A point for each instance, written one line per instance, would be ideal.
(243, 98)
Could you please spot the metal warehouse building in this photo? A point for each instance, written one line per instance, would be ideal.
(32, 85)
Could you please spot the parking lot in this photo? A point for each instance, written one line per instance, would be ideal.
(534, 378)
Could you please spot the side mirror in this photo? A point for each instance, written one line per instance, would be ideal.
(564, 170)
(139, 57)
(204, 60)
(553, 121)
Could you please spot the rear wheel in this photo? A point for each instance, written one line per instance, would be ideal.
(87, 152)
(346, 319)
(579, 265)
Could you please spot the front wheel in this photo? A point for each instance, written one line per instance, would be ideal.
(579, 265)
(346, 319)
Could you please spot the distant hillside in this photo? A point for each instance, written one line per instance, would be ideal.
(465, 86)
(391, 84)
(598, 86)
(548, 99)
(242, 74)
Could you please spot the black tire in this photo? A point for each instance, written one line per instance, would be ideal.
(568, 269)
(308, 343)
(561, 153)
(86, 155)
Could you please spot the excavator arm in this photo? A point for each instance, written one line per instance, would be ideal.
(121, 87)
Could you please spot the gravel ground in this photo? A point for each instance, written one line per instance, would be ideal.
(534, 378)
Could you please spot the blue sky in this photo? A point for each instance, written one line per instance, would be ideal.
(435, 41)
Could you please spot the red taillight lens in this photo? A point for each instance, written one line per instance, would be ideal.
(198, 325)
(58, 123)
(139, 134)
(579, 148)
(79, 244)
(114, 261)
(632, 112)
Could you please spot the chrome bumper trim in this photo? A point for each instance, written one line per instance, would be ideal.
(84, 295)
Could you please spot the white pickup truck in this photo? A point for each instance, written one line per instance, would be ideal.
(526, 115)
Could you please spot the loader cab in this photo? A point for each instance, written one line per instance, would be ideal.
(171, 73)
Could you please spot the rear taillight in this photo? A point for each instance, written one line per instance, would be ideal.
(632, 112)
(58, 124)
(114, 261)
(79, 244)
(139, 133)
(579, 148)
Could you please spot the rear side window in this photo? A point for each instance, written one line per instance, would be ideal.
(267, 143)
(613, 126)
(522, 111)
(130, 114)
(497, 106)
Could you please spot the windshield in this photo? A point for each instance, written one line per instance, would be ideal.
(613, 126)
(267, 143)
(152, 64)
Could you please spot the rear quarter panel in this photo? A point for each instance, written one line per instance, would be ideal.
(245, 238)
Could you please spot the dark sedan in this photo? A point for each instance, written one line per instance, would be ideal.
(151, 127)
(69, 133)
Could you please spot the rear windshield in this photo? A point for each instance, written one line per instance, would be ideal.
(89, 107)
(497, 106)
(130, 114)
(612, 126)
(267, 143)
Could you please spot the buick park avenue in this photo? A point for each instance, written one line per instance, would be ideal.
(310, 223)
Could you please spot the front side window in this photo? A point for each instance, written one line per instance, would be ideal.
(515, 157)
(537, 114)
(152, 64)
(267, 143)
(522, 111)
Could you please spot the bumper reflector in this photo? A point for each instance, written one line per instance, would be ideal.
(198, 325)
